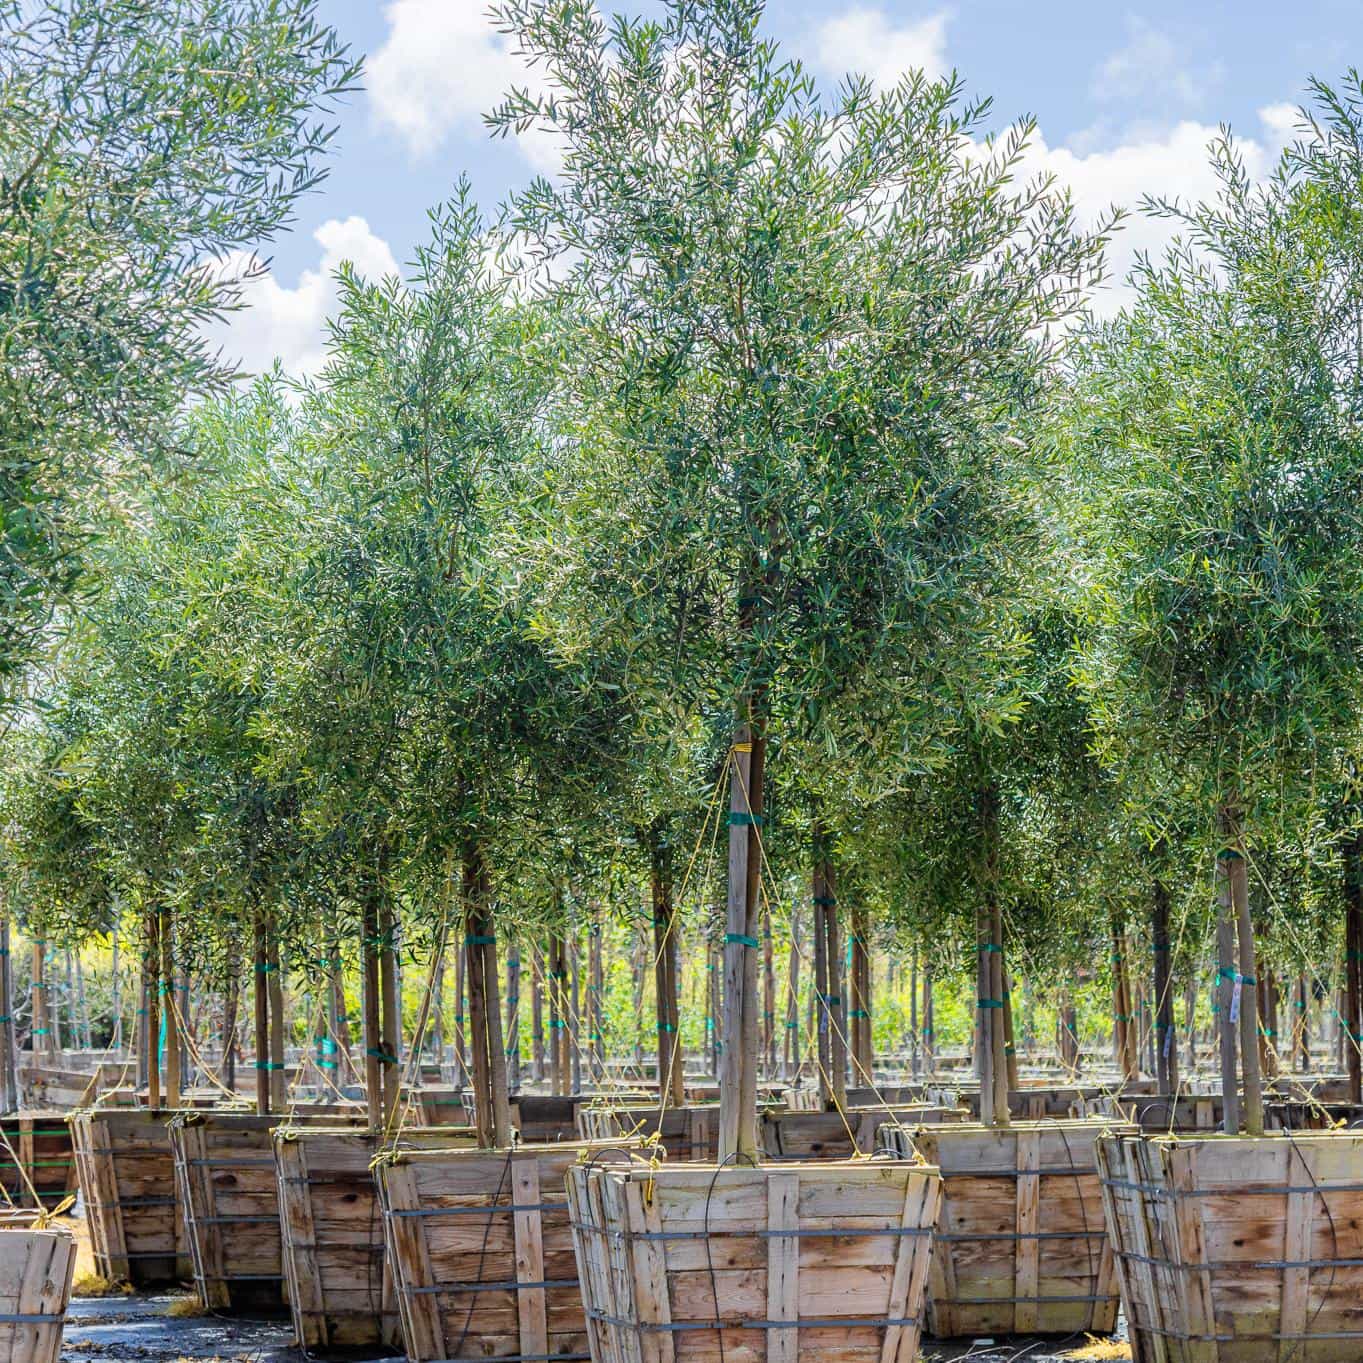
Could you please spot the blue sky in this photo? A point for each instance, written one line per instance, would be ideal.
(1125, 97)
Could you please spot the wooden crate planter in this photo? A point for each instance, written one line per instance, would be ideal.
(482, 1251)
(693, 1263)
(35, 1289)
(840, 1135)
(37, 1160)
(225, 1177)
(1236, 1249)
(1021, 1246)
(685, 1133)
(338, 1280)
(127, 1176)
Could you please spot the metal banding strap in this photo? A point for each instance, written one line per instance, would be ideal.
(519, 1358)
(454, 1289)
(1174, 1195)
(851, 1233)
(808, 1323)
(479, 1211)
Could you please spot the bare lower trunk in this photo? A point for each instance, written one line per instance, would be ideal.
(513, 1018)
(738, 1061)
(537, 1018)
(666, 976)
(859, 1013)
(491, 1105)
(231, 1001)
(1351, 1024)
(371, 1020)
(1166, 1050)
(1234, 856)
(1225, 994)
(390, 1025)
(8, 1034)
(173, 1075)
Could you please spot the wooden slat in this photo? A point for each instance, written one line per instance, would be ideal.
(1027, 1262)
(300, 1245)
(422, 1321)
(531, 1302)
(783, 1265)
(1296, 1275)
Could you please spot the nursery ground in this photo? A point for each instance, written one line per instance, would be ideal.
(168, 1328)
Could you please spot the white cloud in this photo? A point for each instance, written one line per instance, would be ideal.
(1173, 165)
(864, 42)
(440, 69)
(289, 324)
(1151, 65)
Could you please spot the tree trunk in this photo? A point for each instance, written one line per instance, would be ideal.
(116, 995)
(513, 1018)
(279, 1094)
(596, 1020)
(768, 996)
(859, 1013)
(492, 1107)
(537, 1017)
(666, 975)
(391, 1015)
(715, 1006)
(929, 1024)
(574, 1036)
(1234, 856)
(166, 934)
(230, 1002)
(792, 1027)
(822, 990)
(9, 1069)
(989, 1030)
(370, 1019)
(152, 968)
(915, 1039)
(738, 1060)
(1225, 992)
(460, 1034)
(1010, 1054)
(1190, 1020)
(1351, 1024)
(1166, 1049)
(1302, 1040)
(42, 1005)
(558, 1027)
(339, 1015)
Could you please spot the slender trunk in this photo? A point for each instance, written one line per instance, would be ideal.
(152, 967)
(637, 952)
(1234, 856)
(230, 1002)
(1351, 1024)
(859, 1013)
(369, 1009)
(390, 1024)
(1190, 1020)
(338, 1013)
(1124, 1014)
(173, 1021)
(915, 1039)
(596, 1051)
(275, 985)
(557, 991)
(989, 1032)
(792, 1027)
(1166, 1051)
(513, 1018)
(715, 1005)
(666, 975)
(768, 996)
(9, 1071)
(1225, 993)
(537, 1017)
(575, 1014)
(1302, 1047)
(142, 1028)
(461, 1069)
(837, 991)
(1010, 1053)
(929, 1022)
(438, 1013)
(491, 1106)
(41, 1004)
(823, 903)
(738, 1060)
(116, 995)
(1268, 1029)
